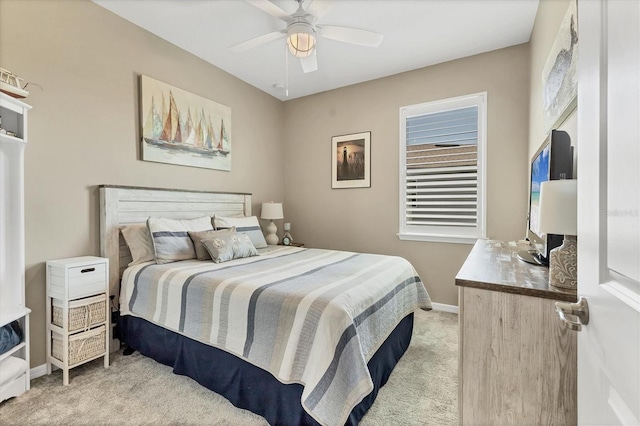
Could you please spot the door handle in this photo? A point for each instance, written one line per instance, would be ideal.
(580, 310)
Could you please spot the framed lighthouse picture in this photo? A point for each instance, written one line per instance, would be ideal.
(351, 161)
(179, 127)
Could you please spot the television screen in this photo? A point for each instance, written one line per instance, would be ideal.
(539, 174)
(554, 160)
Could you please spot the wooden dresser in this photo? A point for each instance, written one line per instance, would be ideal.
(517, 361)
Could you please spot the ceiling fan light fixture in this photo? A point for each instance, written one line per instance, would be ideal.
(301, 39)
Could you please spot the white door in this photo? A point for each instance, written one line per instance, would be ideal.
(608, 150)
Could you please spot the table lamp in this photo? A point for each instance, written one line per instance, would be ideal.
(558, 215)
(271, 211)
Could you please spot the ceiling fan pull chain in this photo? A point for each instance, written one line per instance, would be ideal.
(286, 70)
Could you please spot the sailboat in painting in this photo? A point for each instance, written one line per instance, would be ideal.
(168, 131)
(223, 143)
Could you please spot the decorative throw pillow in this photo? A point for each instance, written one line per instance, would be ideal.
(171, 240)
(230, 246)
(139, 241)
(197, 237)
(247, 225)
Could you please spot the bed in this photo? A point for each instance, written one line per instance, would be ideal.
(298, 336)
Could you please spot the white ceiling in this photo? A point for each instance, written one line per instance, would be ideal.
(417, 33)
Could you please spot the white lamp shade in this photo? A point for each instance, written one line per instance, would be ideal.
(271, 211)
(559, 207)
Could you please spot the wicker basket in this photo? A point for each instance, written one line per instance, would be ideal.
(83, 313)
(82, 346)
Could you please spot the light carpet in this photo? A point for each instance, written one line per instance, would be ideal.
(422, 390)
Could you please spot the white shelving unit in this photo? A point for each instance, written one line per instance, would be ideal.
(12, 299)
(78, 313)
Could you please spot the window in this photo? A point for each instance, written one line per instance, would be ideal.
(442, 170)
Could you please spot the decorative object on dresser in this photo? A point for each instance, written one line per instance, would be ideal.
(271, 211)
(78, 314)
(182, 128)
(517, 360)
(351, 161)
(287, 239)
(14, 361)
(559, 215)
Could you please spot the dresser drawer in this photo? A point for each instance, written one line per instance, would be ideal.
(86, 280)
(75, 282)
(87, 271)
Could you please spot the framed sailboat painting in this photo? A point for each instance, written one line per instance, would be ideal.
(179, 127)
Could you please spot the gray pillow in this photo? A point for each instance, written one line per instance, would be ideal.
(197, 237)
(230, 246)
(139, 241)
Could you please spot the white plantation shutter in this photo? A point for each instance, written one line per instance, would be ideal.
(441, 182)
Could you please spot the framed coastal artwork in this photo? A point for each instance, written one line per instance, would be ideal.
(559, 75)
(351, 161)
(179, 127)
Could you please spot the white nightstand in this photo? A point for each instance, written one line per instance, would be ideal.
(77, 312)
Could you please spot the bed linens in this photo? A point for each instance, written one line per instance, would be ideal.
(307, 316)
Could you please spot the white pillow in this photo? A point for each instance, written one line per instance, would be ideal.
(12, 367)
(246, 225)
(171, 240)
(139, 241)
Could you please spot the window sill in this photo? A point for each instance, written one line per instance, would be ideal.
(457, 239)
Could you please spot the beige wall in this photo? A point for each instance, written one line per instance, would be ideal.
(83, 128)
(367, 219)
(548, 20)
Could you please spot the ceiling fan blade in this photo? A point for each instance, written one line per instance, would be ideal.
(257, 41)
(319, 8)
(351, 35)
(268, 7)
(309, 64)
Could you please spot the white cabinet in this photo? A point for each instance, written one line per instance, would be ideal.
(12, 297)
(77, 312)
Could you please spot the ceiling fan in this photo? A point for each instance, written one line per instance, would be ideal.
(302, 30)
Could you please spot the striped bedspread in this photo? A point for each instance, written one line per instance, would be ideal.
(307, 316)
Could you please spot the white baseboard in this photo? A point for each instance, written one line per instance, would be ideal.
(444, 308)
(38, 371)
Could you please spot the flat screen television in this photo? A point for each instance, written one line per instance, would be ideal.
(553, 160)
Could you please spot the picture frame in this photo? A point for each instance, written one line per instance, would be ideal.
(560, 72)
(182, 128)
(351, 161)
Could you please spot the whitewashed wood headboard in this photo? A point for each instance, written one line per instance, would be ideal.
(122, 205)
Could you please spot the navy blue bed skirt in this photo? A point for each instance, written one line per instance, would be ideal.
(245, 385)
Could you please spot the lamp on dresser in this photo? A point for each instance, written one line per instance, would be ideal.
(271, 211)
(558, 215)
